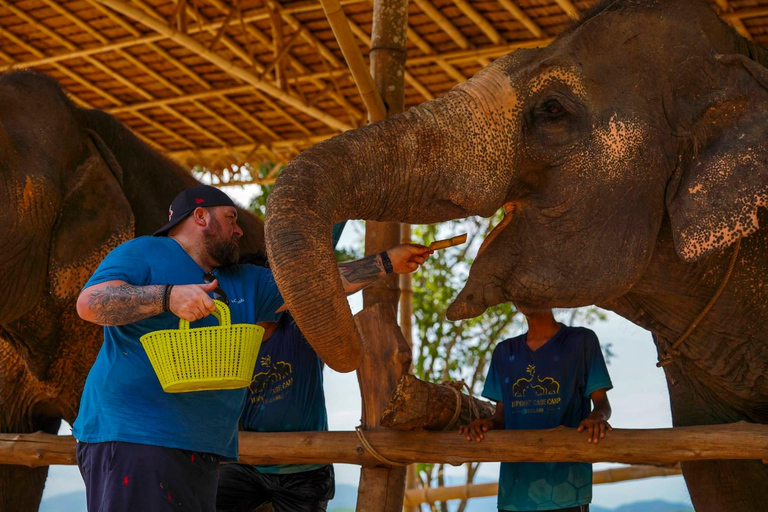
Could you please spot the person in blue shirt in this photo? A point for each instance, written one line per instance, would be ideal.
(138, 447)
(540, 380)
(286, 395)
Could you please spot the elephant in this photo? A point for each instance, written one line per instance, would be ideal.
(631, 159)
(75, 183)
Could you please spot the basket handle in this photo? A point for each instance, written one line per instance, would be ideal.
(221, 313)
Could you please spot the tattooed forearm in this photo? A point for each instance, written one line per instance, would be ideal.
(356, 275)
(124, 304)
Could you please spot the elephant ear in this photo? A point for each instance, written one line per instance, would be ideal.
(726, 181)
(95, 218)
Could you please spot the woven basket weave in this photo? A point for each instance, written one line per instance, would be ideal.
(205, 358)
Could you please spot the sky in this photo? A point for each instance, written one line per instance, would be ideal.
(639, 400)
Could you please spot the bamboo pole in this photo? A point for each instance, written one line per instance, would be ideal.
(444, 23)
(569, 8)
(523, 18)
(664, 446)
(414, 498)
(224, 64)
(354, 58)
(479, 20)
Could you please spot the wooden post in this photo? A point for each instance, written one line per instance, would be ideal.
(387, 356)
(383, 489)
(406, 324)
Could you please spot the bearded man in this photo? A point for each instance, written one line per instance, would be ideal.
(140, 449)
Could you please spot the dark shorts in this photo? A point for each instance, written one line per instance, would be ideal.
(126, 477)
(242, 488)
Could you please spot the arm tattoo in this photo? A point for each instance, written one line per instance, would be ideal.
(124, 304)
(356, 275)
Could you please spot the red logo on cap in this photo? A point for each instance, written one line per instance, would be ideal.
(198, 200)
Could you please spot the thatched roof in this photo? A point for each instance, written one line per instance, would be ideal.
(222, 82)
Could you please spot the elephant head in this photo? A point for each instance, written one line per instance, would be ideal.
(640, 110)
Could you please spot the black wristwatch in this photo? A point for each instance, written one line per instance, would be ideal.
(386, 262)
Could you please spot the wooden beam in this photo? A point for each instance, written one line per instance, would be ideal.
(444, 23)
(354, 57)
(746, 13)
(734, 441)
(224, 64)
(416, 497)
(569, 8)
(523, 18)
(479, 20)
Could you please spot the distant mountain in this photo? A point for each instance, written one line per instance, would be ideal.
(68, 502)
(647, 506)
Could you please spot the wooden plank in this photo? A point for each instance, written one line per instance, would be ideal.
(734, 441)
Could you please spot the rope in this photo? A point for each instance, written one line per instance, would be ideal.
(376, 455)
(456, 387)
(666, 358)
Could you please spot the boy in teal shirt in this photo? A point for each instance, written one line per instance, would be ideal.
(541, 380)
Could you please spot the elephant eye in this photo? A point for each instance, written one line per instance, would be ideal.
(552, 108)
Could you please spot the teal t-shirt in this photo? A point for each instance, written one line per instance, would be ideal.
(123, 400)
(541, 390)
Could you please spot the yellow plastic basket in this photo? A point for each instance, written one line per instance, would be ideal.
(205, 358)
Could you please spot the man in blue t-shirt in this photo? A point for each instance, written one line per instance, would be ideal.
(138, 447)
(540, 380)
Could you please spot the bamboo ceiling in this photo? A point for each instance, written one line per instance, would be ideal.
(218, 83)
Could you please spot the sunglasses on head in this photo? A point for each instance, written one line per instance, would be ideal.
(218, 293)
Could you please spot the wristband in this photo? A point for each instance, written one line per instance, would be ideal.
(167, 297)
(386, 262)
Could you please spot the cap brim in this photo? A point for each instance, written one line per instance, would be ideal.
(163, 231)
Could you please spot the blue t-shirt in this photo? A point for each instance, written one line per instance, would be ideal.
(286, 394)
(541, 390)
(123, 400)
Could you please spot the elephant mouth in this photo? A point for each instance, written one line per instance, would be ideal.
(509, 210)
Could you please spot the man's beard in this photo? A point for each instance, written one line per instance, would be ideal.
(224, 253)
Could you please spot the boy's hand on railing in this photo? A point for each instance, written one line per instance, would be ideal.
(476, 429)
(596, 426)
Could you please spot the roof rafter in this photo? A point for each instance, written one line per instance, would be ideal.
(223, 63)
(480, 21)
(569, 8)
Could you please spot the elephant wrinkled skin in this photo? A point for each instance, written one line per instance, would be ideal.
(629, 155)
(75, 183)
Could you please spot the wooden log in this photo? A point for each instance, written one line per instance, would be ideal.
(664, 446)
(416, 404)
(464, 492)
(387, 357)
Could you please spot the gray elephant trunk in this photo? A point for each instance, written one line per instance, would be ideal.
(436, 162)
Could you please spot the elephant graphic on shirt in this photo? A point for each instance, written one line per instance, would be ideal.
(275, 378)
(521, 384)
(546, 386)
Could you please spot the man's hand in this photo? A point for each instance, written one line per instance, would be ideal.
(191, 301)
(596, 426)
(406, 258)
(476, 429)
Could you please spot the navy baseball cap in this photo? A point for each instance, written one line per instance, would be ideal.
(186, 202)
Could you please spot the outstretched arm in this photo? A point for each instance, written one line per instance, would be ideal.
(118, 303)
(404, 259)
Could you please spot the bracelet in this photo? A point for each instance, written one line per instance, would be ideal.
(167, 297)
(386, 262)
